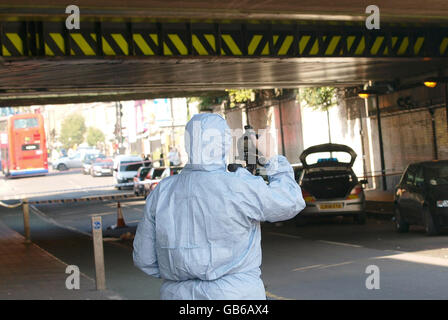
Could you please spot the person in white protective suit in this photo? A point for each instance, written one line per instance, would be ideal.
(201, 229)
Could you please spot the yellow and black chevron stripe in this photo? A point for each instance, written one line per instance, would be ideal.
(17, 41)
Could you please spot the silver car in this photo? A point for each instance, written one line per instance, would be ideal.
(329, 185)
(66, 163)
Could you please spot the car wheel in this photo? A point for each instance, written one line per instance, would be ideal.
(431, 227)
(400, 225)
(360, 218)
(62, 167)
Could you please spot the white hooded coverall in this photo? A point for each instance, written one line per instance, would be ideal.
(201, 229)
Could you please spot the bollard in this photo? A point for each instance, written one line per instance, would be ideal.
(97, 234)
(26, 220)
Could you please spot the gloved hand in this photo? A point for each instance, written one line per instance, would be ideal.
(265, 144)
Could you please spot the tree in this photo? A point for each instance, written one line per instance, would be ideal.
(321, 99)
(206, 101)
(237, 96)
(94, 136)
(73, 129)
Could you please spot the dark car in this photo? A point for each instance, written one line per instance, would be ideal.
(329, 185)
(421, 197)
(142, 174)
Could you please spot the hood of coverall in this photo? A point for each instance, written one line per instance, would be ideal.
(207, 142)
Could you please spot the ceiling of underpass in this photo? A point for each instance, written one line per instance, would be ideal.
(37, 80)
(397, 10)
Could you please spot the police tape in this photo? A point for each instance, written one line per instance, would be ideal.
(53, 192)
(85, 199)
(10, 206)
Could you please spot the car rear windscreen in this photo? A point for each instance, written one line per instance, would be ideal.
(144, 172)
(157, 174)
(130, 165)
(331, 157)
(437, 174)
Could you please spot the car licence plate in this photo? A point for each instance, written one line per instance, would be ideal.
(329, 206)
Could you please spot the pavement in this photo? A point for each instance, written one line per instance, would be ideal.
(29, 272)
(72, 244)
(323, 260)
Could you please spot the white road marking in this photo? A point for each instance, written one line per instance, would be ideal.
(285, 235)
(307, 268)
(322, 266)
(341, 244)
(336, 265)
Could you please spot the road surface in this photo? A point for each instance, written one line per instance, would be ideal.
(328, 259)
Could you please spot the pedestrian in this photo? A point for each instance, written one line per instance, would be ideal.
(161, 159)
(207, 244)
(146, 160)
(173, 157)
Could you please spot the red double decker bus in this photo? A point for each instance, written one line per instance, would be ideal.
(23, 145)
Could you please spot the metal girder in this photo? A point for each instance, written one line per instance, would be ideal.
(197, 39)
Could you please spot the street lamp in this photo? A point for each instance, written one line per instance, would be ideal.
(432, 83)
(365, 94)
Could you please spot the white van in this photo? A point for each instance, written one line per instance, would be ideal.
(125, 168)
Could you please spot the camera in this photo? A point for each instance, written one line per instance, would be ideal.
(248, 152)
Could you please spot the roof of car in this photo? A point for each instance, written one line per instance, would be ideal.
(424, 163)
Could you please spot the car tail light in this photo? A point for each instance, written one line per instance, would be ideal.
(442, 203)
(154, 185)
(307, 196)
(355, 193)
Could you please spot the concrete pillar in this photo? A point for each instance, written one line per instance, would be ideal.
(291, 120)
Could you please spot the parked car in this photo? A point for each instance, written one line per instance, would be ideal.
(125, 168)
(102, 167)
(421, 197)
(142, 173)
(155, 175)
(329, 185)
(298, 168)
(88, 160)
(76, 160)
(65, 163)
